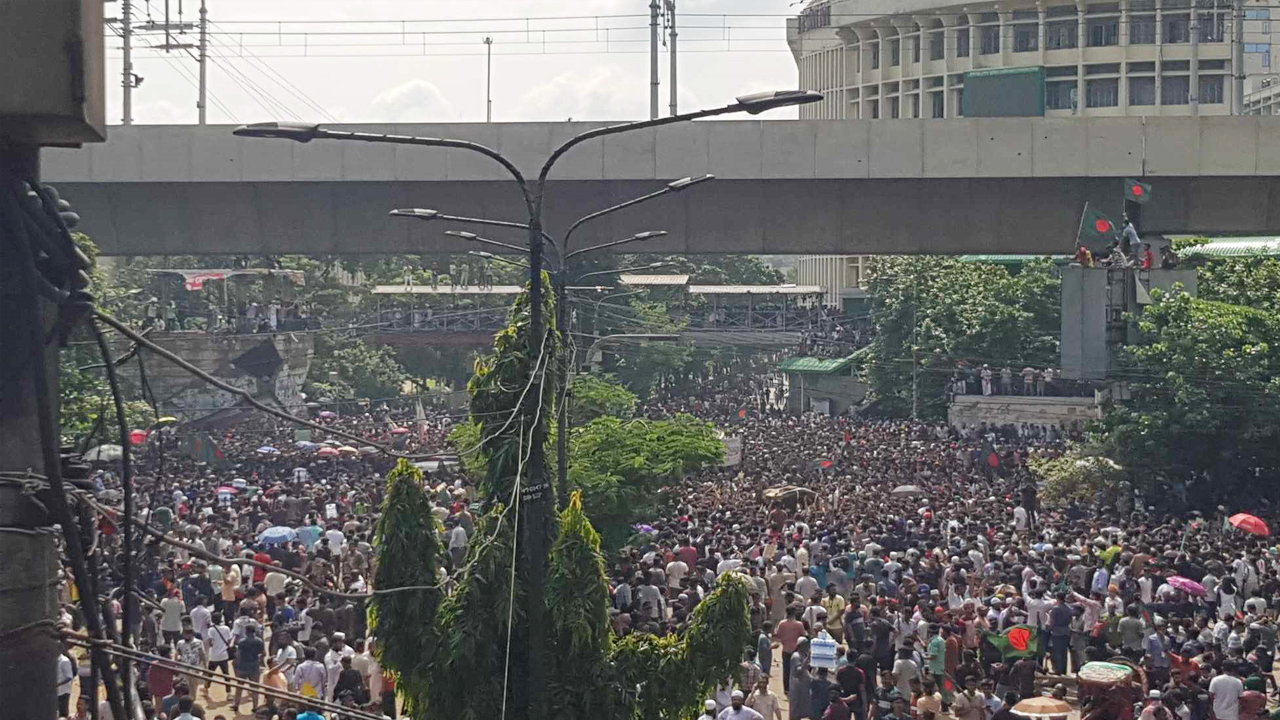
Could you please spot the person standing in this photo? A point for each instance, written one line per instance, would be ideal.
(218, 647)
(1225, 691)
(190, 651)
(798, 697)
(764, 647)
(788, 634)
(310, 679)
(764, 702)
(249, 663)
(738, 710)
(834, 605)
(986, 379)
(171, 621)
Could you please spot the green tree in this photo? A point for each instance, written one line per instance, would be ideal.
(1079, 478)
(471, 656)
(363, 371)
(1205, 381)
(959, 312)
(593, 396)
(640, 364)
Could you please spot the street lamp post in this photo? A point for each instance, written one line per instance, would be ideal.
(534, 493)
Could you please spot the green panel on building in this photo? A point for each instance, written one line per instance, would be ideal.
(1004, 92)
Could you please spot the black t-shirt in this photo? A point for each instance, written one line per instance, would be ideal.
(881, 631)
(851, 680)
(249, 655)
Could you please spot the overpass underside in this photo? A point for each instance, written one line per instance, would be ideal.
(777, 216)
(981, 185)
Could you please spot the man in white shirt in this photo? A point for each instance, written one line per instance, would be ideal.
(274, 581)
(1225, 691)
(336, 540)
(66, 674)
(333, 661)
(806, 585)
(218, 646)
(676, 570)
(458, 545)
(201, 617)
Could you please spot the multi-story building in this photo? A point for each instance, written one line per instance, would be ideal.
(882, 59)
(841, 277)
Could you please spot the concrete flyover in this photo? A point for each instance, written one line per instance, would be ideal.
(983, 185)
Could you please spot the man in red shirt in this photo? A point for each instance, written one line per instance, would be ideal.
(259, 573)
(688, 554)
(1148, 257)
(788, 633)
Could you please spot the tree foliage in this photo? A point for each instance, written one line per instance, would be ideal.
(593, 396)
(470, 657)
(1080, 479)
(960, 312)
(1205, 384)
(362, 370)
(1249, 281)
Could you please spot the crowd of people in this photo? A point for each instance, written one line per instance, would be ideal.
(878, 579)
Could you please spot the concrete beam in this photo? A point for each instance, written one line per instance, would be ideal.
(906, 186)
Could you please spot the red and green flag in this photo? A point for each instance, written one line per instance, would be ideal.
(1136, 191)
(1096, 227)
(1018, 641)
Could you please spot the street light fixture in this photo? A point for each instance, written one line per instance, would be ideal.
(536, 521)
(464, 235)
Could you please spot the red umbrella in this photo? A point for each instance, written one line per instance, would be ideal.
(400, 431)
(327, 452)
(1250, 524)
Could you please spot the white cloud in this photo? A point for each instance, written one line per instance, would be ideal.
(413, 101)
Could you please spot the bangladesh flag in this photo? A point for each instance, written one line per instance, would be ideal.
(1016, 642)
(1096, 227)
(1136, 191)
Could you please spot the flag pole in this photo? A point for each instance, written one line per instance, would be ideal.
(1080, 227)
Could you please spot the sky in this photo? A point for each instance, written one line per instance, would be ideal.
(448, 83)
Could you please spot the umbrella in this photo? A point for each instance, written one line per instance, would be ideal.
(333, 443)
(137, 437)
(646, 529)
(306, 445)
(105, 453)
(400, 431)
(1186, 585)
(278, 534)
(227, 489)
(348, 449)
(268, 450)
(1249, 523)
(1043, 706)
(167, 420)
(328, 414)
(907, 490)
(327, 452)
(368, 450)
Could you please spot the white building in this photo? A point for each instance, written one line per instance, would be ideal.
(884, 59)
(841, 277)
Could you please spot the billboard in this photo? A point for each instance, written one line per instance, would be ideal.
(1004, 92)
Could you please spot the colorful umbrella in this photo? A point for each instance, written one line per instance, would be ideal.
(907, 490)
(227, 489)
(167, 420)
(327, 452)
(1186, 585)
(1250, 523)
(400, 431)
(328, 414)
(268, 450)
(137, 437)
(348, 449)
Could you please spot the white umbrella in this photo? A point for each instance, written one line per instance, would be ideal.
(105, 453)
(907, 490)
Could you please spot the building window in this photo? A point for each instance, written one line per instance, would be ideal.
(1211, 89)
(937, 100)
(1057, 95)
(1060, 35)
(937, 45)
(1177, 28)
(1103, 32)
(1175, 90)
(990, 40)
(895, 52)
(1142, 30)
(875, 110)
(1026, 38)
(895, 108)
(962, 41)
(1213, 27)
(915, 49)
(1102, 93)
(1263, 14)
(875, 56)
(960, 102)
(1142, 91)
(915, 106)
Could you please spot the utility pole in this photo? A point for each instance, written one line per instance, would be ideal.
(1237, 58)
(653, 59)
(535, 495)
(671, 19)
(915, 344)
(126, 33)
(488, 80)
(202, 105)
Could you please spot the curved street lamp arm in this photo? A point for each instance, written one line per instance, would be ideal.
(620, 206)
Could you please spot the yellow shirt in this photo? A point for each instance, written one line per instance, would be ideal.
(835, 611)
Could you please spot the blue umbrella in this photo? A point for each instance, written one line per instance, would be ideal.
(306, 445)
(268, 449)
(278, 534)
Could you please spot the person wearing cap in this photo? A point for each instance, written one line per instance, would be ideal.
(737, 710)
(1155, 708)
(708, 709)
(338, 649)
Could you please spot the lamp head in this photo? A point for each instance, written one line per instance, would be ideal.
(648, 235)
(461, 234)
(419, 213)
(757, 103)
(688, 182)
(298, 132)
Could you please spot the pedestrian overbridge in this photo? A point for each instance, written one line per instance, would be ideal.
(982, 185)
